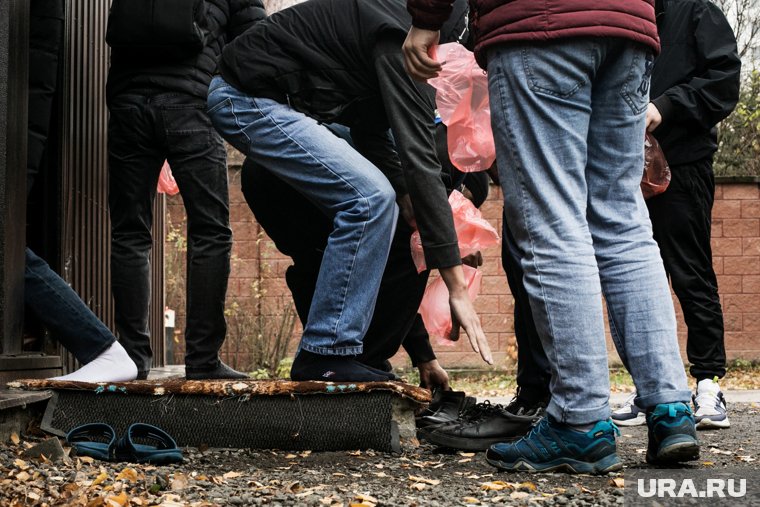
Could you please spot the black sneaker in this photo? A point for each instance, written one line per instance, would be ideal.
(445, 407)
(480, 427)
(523, 407)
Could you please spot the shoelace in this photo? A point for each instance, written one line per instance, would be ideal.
(708, 399)
(480, 410)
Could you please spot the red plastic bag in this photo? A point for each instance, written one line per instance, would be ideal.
(435, 310)
(462, 101)
(166, 182)
(656, 170)
(474, 232)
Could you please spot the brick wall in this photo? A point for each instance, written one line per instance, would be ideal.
(257, 283)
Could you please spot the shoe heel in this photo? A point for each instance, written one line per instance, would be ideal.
(608, 464)
(678, 449)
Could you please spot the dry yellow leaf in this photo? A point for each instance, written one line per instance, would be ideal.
(355, 453)
(365, 498)
(179, 482)
(201, 478)
(118, 500)
(96, 502)
(465, 460)
(470, 499)
(527, 485)
(128, 474)
(102, 476)
(467, 455)
(32, 495)
(21, 464)
(419, 486)
(708, 463)
(86, 459)
(232, 475)
(305, 454)
(432, 482)
(494, 486)
(15, 439)
(22, 476)
(338, 474)
(290, 456)
(618, 482)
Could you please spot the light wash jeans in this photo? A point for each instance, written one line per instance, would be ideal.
(345, 185)
(568, 120)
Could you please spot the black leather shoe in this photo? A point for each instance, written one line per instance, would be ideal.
(221, 372)
(481, 426)
(445, 407)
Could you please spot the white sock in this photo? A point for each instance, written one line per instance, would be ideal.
(113, 365)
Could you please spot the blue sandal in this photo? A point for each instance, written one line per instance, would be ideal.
(95, 440)
(163, 450)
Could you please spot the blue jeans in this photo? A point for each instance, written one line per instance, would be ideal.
(568, 120)
(60, 309)
(344, 185)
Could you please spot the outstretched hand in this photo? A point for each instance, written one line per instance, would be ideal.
(417, 48)
(463, 313)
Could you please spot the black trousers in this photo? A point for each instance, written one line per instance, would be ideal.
(300, 231)
(533, 370)
(682, 219)
(144, 129)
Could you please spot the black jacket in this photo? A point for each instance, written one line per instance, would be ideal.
(227, 20)
(340, 61)
(695, 80)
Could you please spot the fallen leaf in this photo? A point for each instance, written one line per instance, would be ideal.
(305, 454)
(432, 482)
(708, 463)
(21, 464)
(465, 460)
(232, 475)
(338, 474)
(290, 456)
(618, 482)
(86, 459)
(362, 497)
(15, 439)
(294, 487)
(22, 476)
(470, 499)
(102, 476)
(715, 450)
(467, 455)
(519, 495)
(117, 501)
(494, 486)
(746, 459)
(355, 453)
(527, 485)
(96, 502)
(419, 486)
(128, 474)
(179, 482)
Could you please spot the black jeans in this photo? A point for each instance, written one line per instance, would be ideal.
(533, 370)
(144, 129)
(301, 231)
(681, 220)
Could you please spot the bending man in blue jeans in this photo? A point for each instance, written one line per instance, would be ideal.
(340, 61)
(569, 88)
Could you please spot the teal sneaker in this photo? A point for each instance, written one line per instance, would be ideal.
(551, 446)
(672, 434)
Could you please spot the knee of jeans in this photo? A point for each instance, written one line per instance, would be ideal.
(384, 201)
(130, 244)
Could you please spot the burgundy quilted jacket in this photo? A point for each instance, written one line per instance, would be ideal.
(498, 21)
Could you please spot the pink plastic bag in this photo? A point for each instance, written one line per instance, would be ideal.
(462, 100)
(166, 182)
(435, 310)
(474, 232)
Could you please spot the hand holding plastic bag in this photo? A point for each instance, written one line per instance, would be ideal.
(656, 170)
(474, 232)
(166, 182)
(462, 101)
(435, 309)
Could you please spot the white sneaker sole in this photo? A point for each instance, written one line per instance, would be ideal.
(639, 420)
(707, 423)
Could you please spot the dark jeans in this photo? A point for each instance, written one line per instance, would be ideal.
(144, 129)
(301, 231)
(533, 370)
(682, 219)
(60, 309)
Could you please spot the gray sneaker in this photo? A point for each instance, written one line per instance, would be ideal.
(629, 414)
(710, 406)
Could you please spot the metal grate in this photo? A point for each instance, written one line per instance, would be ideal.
(296, 422)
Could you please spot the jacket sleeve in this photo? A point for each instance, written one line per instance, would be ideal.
(710, 95)
(243, 15)
(409, 107)
(377, 146)
(429, 14)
